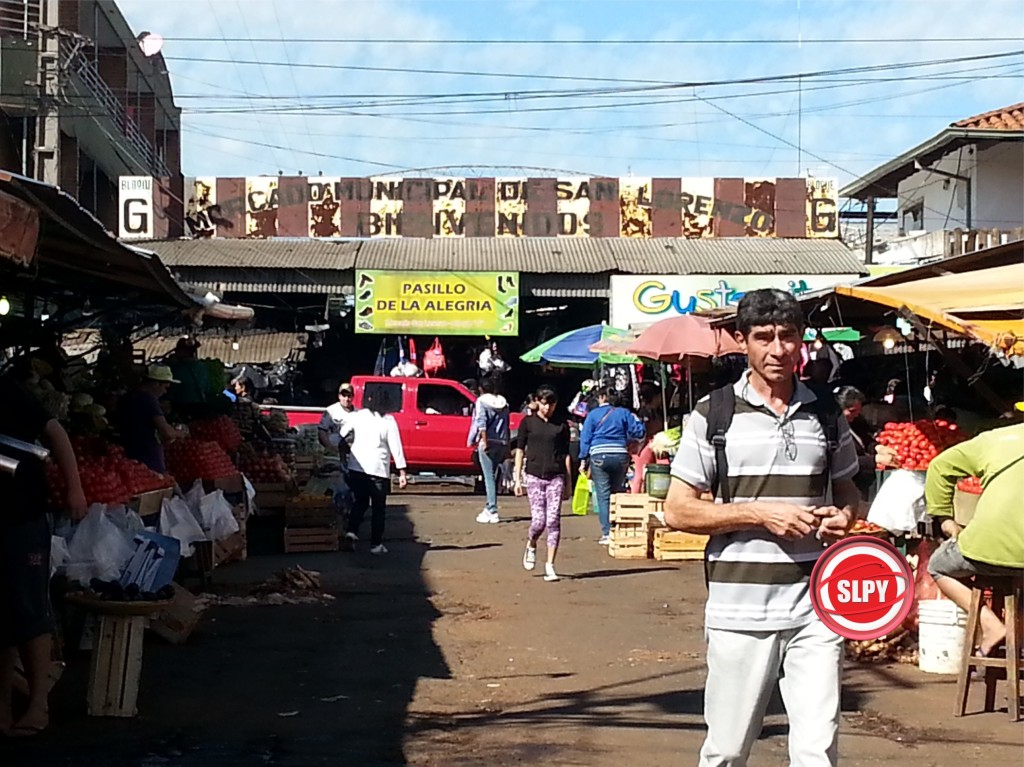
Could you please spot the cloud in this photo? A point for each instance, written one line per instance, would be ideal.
(845, 127)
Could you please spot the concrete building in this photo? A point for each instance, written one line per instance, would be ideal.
(81, 106)
(960, 190)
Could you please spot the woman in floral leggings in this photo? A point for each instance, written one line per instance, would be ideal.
(543, 446)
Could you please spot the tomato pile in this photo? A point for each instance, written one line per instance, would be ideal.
(264, 469)
(917, 443)
(191, 459)
(108, 476)
(221, 430)
(970, 485)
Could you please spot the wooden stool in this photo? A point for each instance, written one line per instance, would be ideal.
(1010, 590)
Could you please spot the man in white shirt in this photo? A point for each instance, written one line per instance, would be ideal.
(333, 420)
(375, 441)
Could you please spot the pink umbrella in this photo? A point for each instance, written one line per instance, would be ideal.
(683, 337)
(686, 335)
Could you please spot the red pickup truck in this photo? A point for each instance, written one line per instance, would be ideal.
(433, 416)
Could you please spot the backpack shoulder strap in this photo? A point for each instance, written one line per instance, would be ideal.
(720, 412)
(826, 410)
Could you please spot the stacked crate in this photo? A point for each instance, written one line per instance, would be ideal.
(677, 546)
(310, 524)
(630, 517)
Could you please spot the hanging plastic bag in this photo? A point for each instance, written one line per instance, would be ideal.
(215, 512)
(193, 496)
(98, 549)
(581, 496)
(58, 554)
(900, 504)
(177, 521)
(433, 358)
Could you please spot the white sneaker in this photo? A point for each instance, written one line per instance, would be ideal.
(549, 572)
(352, 537)
(488, 517)
(604, 540)
(380, 548)
(530, 558)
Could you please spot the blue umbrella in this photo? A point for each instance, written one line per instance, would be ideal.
(572, 349)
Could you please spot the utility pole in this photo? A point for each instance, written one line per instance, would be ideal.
(46, 152)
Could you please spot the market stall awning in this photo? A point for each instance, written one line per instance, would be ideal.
(75, 250)
(987, 304)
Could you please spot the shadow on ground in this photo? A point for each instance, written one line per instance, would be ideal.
(288, 685)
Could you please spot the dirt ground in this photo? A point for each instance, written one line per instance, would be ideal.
(446, 652)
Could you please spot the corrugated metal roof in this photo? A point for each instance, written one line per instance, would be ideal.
(255, 348)
(222, 279)
(734, 255)
(573, 255)
(276, 253)
(556, 261)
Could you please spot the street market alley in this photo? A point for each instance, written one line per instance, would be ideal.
(446, 652)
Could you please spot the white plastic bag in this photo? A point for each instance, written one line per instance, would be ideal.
(215, 514)
(177, 521)
(58, 554)
(125, 518)
(900, 504)
(99, 549)
(193, 496)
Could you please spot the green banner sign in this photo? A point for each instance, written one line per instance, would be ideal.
(437, 303)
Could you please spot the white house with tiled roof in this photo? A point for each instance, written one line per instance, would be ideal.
(969, 176)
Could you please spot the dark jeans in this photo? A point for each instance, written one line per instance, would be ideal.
(609, 474)
(369, 492)
(490, 460)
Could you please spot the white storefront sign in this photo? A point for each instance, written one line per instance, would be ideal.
(135, 206)
(643, 299)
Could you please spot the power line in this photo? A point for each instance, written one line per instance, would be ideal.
(563, 41)
(641, 85)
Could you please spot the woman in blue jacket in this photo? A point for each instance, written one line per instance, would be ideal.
(604, 450)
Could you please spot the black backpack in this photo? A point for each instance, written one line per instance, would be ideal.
(720, 412)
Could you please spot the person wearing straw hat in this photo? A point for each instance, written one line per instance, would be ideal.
(141, 422)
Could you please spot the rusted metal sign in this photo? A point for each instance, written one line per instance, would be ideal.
(19, 229)
(320, 206)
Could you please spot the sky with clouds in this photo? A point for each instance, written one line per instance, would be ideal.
(588, 87)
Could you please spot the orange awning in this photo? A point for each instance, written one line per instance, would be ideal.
(987, 304)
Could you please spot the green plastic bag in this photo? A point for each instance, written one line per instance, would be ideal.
(581, 496)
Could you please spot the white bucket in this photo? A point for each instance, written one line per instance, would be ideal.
(941, 635)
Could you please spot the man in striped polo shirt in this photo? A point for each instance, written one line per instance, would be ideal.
(760, 625)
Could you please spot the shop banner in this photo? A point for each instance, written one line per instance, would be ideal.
(638, 299)
(437, 303)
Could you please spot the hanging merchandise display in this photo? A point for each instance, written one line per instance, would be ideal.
(433, 358)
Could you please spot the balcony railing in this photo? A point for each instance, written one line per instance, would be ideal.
(18, 17)
(72, 58)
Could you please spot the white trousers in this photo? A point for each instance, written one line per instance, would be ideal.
(742, 670)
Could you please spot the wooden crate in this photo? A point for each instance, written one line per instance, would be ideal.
(271, 495)
(179, 619)
(629, 508)
(234, 548)
(629, 540)
(674, 546)
(232, 484)
(116, 666)
(634, 547)
(310, 539)
(309, 511)
(149, 503)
